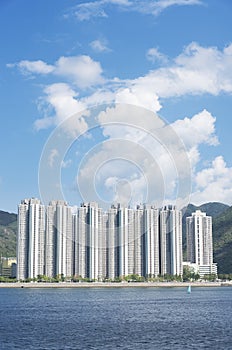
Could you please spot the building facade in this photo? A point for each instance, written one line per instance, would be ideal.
(171, 241)
(98, 245)
(200, 242)
(30, 239)
(59, 240)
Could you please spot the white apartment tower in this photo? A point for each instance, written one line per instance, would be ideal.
(94, 241)
(151, 241)
(80, 242)
(171, 259)
(59, 240)
(199, 239)
(89, 242)
(138, 241)
(111, 243)
(30, 239)
(125, 241)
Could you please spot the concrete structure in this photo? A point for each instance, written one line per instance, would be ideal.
(8, 267)
(171, 258)
(201, 270)
(89, 225)
(145, 241)
(199, 238)
(200, 243)
(30, 239)
(150, 233)
(59, 240)
(111, 243)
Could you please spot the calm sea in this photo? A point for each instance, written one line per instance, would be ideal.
(116, 318)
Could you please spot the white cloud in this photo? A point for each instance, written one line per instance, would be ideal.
(38, 67)
(154, 55)
(197, 70)
(66, 163)
(137, 138)
(65, 104)
(213, 183)
(82, 70)
(138, 95)
(197, 130)
(99, 45)
(53, 155)
(86, 11)
(156, 7)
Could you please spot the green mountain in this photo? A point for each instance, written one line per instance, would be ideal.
(7, 218)
(222, 241)
(213, 209)
(8, 229)
(222, 232)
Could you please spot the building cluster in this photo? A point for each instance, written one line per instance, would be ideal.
(91, 243)
(55, 241)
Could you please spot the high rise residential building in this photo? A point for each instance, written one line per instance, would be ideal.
(111, 243)
(93, 244)
(94, 231)
(125, 241)
(200, 242)
(80, 241)
(138, 228)
(151, 241)
(89, 225)
(171, 260)
(59, 240)
(30, 239)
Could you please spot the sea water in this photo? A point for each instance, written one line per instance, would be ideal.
(115, 318)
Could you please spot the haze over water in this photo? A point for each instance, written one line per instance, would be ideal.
(115, 318)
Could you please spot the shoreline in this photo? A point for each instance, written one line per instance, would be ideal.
(113, 285)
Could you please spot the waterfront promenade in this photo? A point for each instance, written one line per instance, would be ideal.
(113, 285)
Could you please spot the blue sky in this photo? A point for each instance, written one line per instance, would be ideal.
(59, 58)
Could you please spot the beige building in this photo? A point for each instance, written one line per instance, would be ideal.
(8, 267)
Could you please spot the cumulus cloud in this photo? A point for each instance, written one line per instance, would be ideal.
(82, 70)
(197, 70)
(99, 45)
(213, 183)
(64, 103)
(27, 67)
(137, 138)
(154, 55)
(161, 151)
(138, 95)
(199, 129)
